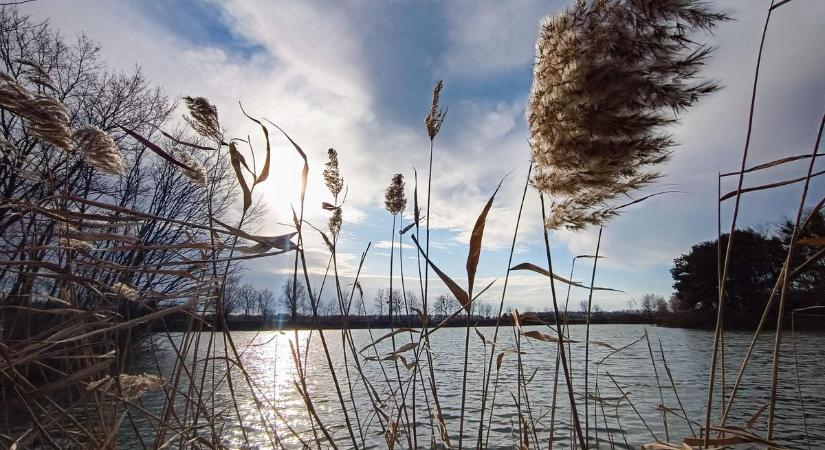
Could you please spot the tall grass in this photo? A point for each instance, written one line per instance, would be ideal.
(73, 319)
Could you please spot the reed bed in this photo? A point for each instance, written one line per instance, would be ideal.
(87, 281)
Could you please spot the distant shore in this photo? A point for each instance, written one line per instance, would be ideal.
(179, 323)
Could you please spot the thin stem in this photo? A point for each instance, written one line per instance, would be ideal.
(729, 250)
(587, 338)
(571, 395)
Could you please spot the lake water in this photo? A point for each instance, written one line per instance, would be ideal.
(268, 361)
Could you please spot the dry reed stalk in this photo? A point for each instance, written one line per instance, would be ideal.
(658, 386)
(728, 251)
(675, 391)
(500, 311)
(587, 338)
(433, 122)
(785, 284)
(566, 369)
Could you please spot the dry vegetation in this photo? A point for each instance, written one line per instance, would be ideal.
(111, 223)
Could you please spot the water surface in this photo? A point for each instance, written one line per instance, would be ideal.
(616, 385)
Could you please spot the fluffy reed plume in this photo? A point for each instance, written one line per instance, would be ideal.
(67, 241)
(45, 117)
(335, 221)
(13, 96)
(332, 176)
(436, 115)
(394, 200)
(203, 117)
(99, 150)
(193, 170)
(132, 387)
(125, 291)
(609, 76)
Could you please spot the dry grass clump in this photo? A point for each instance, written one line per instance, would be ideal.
(609, 76)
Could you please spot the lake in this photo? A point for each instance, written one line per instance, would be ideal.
(623, 418)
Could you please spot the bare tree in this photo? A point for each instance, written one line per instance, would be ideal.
(293, 298)
(263, 301)
(653, 303)
(485, 310)
(380, 301)
(247, 300)
(412, 302)
(445, 305)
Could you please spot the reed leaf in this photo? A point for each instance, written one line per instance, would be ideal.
(733, 193)
(770, 164)
(539, 270)
(236, 158)
(265, 169)
(475, 240)
(454, 288)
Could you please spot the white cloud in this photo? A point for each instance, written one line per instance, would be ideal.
(325, 74)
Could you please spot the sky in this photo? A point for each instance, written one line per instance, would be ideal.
(358, 76)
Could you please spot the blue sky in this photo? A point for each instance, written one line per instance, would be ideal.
(357, 76)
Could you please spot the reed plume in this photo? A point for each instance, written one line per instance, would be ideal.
(193, 170)
(45, 117)
(435, 117)
(132, 387)
(13, 96)
(609, 76)
(99, 150)
(125, 291)
(332, 175)
(335, 221)
(394, 200)
(203, 117)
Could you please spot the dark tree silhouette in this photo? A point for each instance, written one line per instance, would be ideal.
(757, 260)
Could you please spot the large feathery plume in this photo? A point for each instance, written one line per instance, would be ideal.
(99, 150)
(45, 117)
(13, 96)
(394, 200)
(436, 115)
(193, 170)
(609, 76)
(203, 118)
(332, 175)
